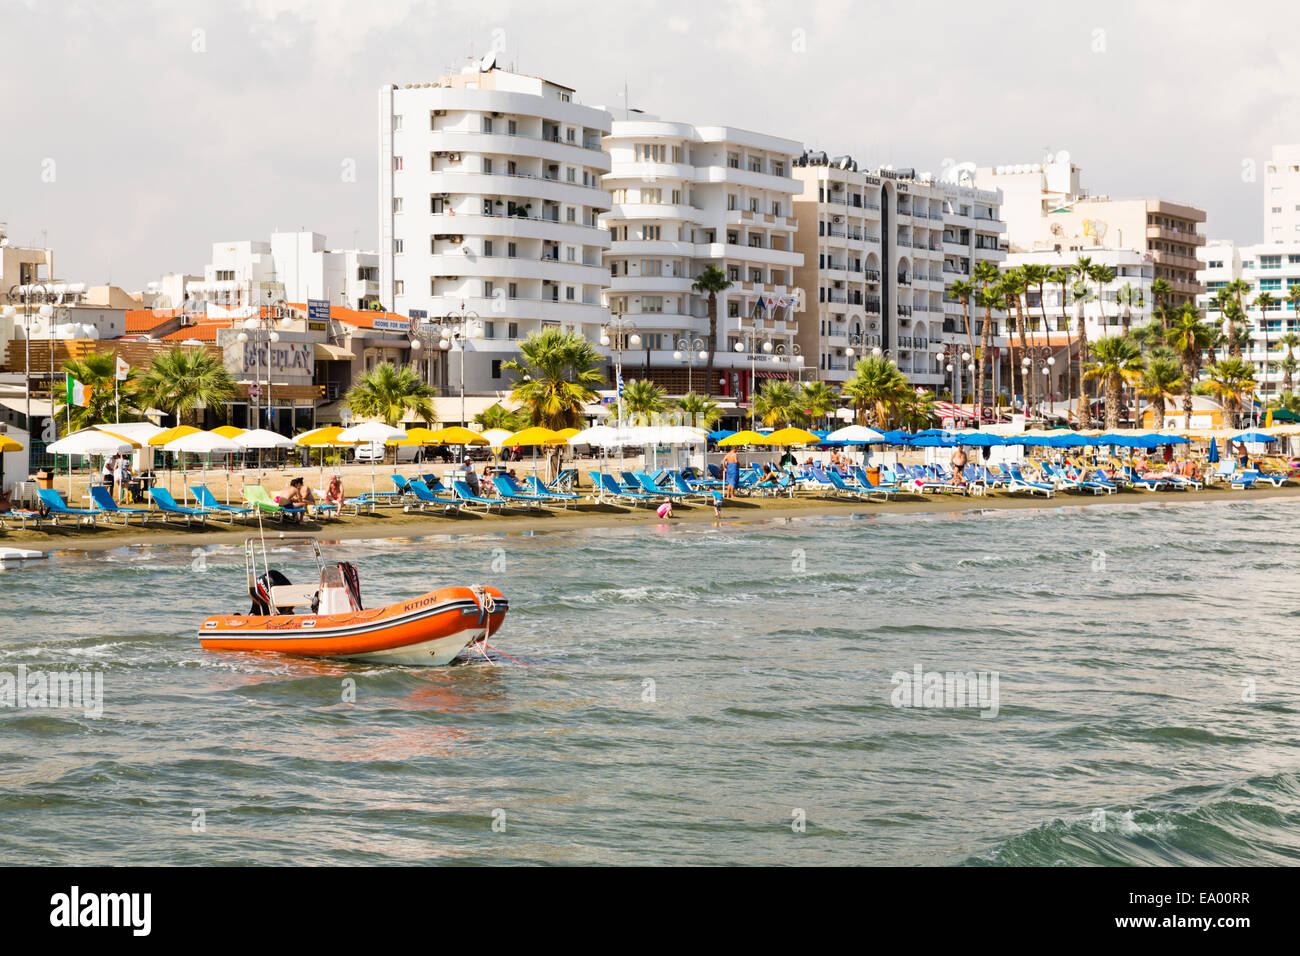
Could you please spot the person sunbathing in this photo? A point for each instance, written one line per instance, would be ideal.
(334, 492)
(296, 495)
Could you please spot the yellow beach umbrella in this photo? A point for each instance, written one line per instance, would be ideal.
(8, 444)
(792, 436)
(536, 435)
(568, 432)
(171, 434)
(743, 438)
(228, 431)
(321, 437)
(416, 436)
(455, 435)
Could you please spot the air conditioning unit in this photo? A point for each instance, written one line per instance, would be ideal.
(454, 157)
(839, 218)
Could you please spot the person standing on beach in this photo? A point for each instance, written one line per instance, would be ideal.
(730, 473)
(121, 475)
(958, 462)
(107, 475)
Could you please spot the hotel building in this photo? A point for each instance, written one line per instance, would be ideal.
(684, 198)
(490, 196)
(1282, 195)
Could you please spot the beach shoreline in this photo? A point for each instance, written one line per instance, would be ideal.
(397, 524)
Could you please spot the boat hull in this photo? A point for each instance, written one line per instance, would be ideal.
(428, 630)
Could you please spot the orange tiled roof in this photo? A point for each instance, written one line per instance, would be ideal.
(203, 332)
(144, 320)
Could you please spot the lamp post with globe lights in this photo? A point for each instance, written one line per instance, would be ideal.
(619, 335)
(686, 348)
(29, 295)
(261, 330)
(451, 332)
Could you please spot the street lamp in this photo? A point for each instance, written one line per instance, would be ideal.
(619, 334)
(261, 329)
(687, 347)
(28, 294)
(451, 331)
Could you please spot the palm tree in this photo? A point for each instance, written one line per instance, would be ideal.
(963, 290)
(1189, 337)
(818, 400)
(1288, 401)
(1103, 276)
(916, 410)
(778, 403)
(1236, 288)
(1161, 382)
(698, 411)
(1289, 341)
(497, 416)
(1116, 361)
(1035, 276)
(641, 400)
(1160, 289)
(709, 283)
(876, 389)
(388, 392)
(180, 381)
(1264, 302)
(558, 375)
(96, 371)
(1082, 271)
(1013, 287)
(990, 298)
(1230, 380)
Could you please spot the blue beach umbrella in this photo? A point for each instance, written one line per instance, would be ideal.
(1255, 436)
(1213, 455)
(979, 439)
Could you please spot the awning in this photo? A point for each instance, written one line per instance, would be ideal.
(332, 353)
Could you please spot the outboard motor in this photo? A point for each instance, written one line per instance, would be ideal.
(261, 593)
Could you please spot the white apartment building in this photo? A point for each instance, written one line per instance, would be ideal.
(1282, 195)
(240, 279)
(1267, 267)
(1125, 303)
(881, 248)
(309, 270)
(490, 196)
(684, 198)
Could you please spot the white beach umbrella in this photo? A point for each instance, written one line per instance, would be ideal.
(89, 441)
(262, 438)
(495, 436)
(858, 434)
(200, 443)
(370, 433)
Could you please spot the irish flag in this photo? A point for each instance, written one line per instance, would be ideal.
(78, 394)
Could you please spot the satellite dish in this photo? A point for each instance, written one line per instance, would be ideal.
(488, 62)
(1063, 157)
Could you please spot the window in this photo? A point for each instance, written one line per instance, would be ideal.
(652, 303)
(618, 267)
(651, 232)
(487, 166)
(618, 196)
(570, 174)
(652, 267)
(397, 122)
(570, 135)
(487, 247)
(677, 197)
(650, 152)
(512, 330)
(677, 155)
(512, 127)
(778, 169)
(512, 250)
(496, 363)
(399, 287)
(618, 233)
(488, 288)
(489, 330)
(570, 214)
(1270, 262)
(755, 164)
(753, 204)
(399, 246)
(487, 124)
(731, 201)
(397, 164)
(397, 204)
(652, 196)
(568, 292)
(733, 160)
(570, 254)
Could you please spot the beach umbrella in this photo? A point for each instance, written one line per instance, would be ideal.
(720, 434)
(171, 434)
(259, 438)
(416, 436)
(456, 435)
(495, 437)
(568, 432)
(7, 444)
(1255, 436)
(792, 436)
(745, 437)
(376, 433)
(534, 436)
(227, 431)
(856, 435)
(322, 438)
(87, 442)
(201, 443)
(1212, 456)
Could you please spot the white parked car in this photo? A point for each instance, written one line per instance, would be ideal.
(377, 452)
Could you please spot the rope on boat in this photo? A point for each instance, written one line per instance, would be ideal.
(503, 654)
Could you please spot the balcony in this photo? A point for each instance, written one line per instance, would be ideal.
(1175, 235)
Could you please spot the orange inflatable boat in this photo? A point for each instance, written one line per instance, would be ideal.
(431, 629)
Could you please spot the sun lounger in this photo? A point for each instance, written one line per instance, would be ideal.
(102, 499)
(651, 487)
(510, 492)
(609, 487)
(57, 509)
(424, 496)
(1019, 483)
(22, 516)
(1134, 480)
(866, 484)
(922, 481)
(207, 499)
(684, 488)
(1277, 481)
(465, 493)
(259, 498)
(170, 509)
(538, 487)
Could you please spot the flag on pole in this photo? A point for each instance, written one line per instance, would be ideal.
(78, 394)
(123, 370)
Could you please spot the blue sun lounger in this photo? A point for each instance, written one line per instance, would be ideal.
(103, 501)
(536, 486)
(424, 496)
(610, 487)
(57, 509)
(651, 487)
(511, 492)
(1019, 482)
(168, 506)
(465, 493)
(207, 499)
(866, 484)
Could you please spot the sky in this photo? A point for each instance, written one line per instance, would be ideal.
(136, 134)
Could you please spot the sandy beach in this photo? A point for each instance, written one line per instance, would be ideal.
(393, 522)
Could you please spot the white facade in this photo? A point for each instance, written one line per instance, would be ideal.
(685, 198)
(1282, 195)
(1267, 267)
(1125, 302)
(308, 270)
(240, 279)
(881, 249)
(489, 198)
